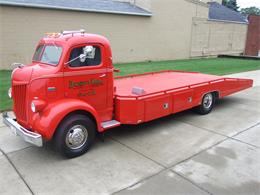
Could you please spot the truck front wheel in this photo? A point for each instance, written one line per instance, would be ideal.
(75, 135)
(207, 104)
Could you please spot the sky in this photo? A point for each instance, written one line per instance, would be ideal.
(248, 3)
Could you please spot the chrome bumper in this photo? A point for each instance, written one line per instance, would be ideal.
(28, 136)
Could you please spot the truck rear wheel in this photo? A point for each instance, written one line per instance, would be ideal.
(75, 135)
(207, 104)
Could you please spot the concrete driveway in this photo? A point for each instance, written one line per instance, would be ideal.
(185, 153)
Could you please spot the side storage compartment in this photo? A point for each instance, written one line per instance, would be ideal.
(156, 107)
(183, 100)
(129, 110)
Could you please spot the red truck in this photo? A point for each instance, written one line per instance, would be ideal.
(68, 93)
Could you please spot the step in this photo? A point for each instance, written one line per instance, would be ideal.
(110, 124)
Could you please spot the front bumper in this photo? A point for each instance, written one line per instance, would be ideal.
(26, 135)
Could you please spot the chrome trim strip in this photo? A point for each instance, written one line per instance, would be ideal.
(218, 81)
(199, 85)
(26, 135)
(177, 90)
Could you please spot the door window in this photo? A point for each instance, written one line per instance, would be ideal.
(79, 57)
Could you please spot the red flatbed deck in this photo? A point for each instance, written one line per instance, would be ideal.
(160, 81)
(167, 92)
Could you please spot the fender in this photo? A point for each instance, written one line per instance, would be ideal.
(48, 120)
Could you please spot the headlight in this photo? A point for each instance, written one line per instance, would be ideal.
(10, 92)
(33, 108)
(38, 105)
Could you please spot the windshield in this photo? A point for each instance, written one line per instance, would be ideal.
(48, 54)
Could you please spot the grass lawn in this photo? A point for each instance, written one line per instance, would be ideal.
(217, 66)
(5, 102)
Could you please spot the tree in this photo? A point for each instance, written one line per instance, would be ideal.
(250, 10)
(231, 4)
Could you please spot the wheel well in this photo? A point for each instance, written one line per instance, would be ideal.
(215, 93)
(82, 112)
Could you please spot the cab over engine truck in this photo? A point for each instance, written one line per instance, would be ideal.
(68, 93)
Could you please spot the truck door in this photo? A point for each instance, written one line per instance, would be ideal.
(85, 76)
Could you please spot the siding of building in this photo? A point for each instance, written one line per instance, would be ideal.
(168, 34)
(165, 35)
(211, 38)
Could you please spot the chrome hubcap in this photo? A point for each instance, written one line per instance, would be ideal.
(207, 101)
(76, 137)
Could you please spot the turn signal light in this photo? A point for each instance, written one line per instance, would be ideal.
(10, 92)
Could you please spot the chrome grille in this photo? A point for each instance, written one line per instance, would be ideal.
(19, 97)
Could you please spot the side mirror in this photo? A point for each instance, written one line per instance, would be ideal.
(88, 49)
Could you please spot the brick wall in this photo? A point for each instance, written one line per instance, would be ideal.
(253, 36)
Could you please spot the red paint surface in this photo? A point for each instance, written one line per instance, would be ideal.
(161, 81)
(166, 92)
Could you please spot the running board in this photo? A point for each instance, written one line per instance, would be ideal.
(110, 124)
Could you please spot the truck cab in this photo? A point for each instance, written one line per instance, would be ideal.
(71, 74)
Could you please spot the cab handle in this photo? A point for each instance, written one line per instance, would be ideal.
(102, 76)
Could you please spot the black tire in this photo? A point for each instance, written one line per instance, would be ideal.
(204, 107)
(70, 133)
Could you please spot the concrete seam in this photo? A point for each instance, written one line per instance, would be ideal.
(169, 168)
(165, 168)
(16, 170)
(227, 138)
(136, 151)
(244, 142)
(142, 180)
(204, 129)
(219, 142)
(252, 126)
(212, 146)
(27, 147)
(146, 178)
(187, 179)
(231, 137)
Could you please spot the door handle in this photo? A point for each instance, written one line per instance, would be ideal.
(102, 76)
